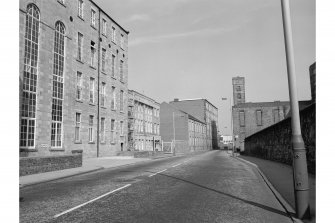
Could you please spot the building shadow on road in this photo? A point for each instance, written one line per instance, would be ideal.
(267, 208)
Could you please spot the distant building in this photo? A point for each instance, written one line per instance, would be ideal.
(204, 111)
(249, 118)
(73, 79)
(188, 131)
(238, 90)
(143, 122)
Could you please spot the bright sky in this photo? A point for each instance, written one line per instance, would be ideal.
(192, 48)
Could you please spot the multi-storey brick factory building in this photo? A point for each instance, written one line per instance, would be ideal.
(204, 111)
(73, 79)
(144, 121)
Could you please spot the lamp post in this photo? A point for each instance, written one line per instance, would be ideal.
(231, 123)
(300, 174)
(174, 135)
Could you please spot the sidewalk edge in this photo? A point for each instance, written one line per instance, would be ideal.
(59, 178)
(278, 196)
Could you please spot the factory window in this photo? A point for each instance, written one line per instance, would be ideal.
(93, 50)
(28, 104)
(113, 34)
(121, 100)
(113, 98)
(58, 84)
(80, 8)
(121, 70)
(239, 96)
(77, 128)
(112, 130)
(93, 17)
(104, 27)
(90, 128)
(103, 60)
(259, 117)
(103, 94)
(91, 94)
(113, 65)
(80, 46)
(276, 115)
(242, 118)
(79, 86)
(121, 128)
(102, 130)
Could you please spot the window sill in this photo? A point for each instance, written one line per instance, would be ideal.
(114, 109)
(113, 143)
(103, 143)
(57, 149)
(93, 27)
(80, 61)
(91, 142)
(92, 67)
(91, 103)
(122, 112)
(104, 107)
(28, 150)
(113, 77)
(80, 17)
(104, 72)
(78, 142)
(79, 100)
(105, 35)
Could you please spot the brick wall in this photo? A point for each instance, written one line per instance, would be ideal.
(33, 165)
(274, 142)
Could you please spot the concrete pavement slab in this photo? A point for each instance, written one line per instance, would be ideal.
(280, 176)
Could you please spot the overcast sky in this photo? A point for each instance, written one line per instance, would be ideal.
(192, 48)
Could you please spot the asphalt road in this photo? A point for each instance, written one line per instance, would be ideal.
(210, 187)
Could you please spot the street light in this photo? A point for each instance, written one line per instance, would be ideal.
(301, 188)
(231, 123)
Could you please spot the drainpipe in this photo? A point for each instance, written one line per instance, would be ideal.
(98, 116)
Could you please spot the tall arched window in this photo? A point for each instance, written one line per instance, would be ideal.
(29, 80)
(57, 86)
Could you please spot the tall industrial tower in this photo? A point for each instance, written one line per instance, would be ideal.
(238, 90)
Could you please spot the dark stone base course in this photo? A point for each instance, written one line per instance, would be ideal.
(33, 165)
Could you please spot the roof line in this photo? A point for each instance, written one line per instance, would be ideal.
(144, 96)
(109, 17)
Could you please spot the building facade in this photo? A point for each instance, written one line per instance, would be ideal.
(183, 128)
(249, 118)
(73, 79)
(143, 122)
(204, 111)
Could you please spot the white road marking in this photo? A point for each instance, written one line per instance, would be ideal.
(58, 215)
(157, 172)
(176, 165)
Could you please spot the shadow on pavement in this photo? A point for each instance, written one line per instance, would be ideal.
(267, 208)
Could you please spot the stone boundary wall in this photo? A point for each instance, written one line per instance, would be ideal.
(145, 154)
(33, 165)
(274, 142)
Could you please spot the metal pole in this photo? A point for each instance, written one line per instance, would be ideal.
(300, 174)
(174, 134)
(231, 126)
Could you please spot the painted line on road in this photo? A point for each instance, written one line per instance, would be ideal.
(157, 173)
(64, 212)
(176, 165)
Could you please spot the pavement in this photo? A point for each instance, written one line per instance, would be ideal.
(208, 187)
(280, 177)
(89, 165)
